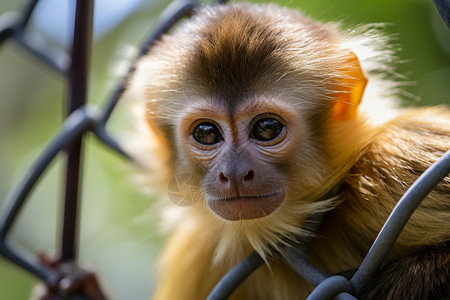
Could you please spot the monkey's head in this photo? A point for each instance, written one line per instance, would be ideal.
(244, 98)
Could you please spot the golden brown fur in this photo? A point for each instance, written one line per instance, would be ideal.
(230, 56)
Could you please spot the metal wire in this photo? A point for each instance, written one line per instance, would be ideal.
(82, 118)
(398, 219)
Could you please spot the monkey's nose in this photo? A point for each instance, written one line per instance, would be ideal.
(249, 176)
(223, 178)
(237, 178)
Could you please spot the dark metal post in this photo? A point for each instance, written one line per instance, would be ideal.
(77, 92)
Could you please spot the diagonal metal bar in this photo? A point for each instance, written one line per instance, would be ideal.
(27, 11)
(8, 24)
(296, 259)
(172, 14)
(74, 126)
(56, 60)
(325, 285)
(16, 22)
(13, 25)
(398, 219)
(235, 276)
(443, 6)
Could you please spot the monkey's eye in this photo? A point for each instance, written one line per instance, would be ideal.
(207, 133)
(266, 129)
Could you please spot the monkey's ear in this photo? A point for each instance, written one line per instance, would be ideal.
(350, 91)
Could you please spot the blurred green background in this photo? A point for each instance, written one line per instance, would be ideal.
(118, 233)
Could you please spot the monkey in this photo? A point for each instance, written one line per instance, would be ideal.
(273, 118)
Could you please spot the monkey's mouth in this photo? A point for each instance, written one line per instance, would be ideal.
(244, 207)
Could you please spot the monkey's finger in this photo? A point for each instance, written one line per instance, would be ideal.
(49, 261)
(82, 281)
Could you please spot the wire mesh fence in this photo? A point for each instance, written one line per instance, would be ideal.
(82, 118)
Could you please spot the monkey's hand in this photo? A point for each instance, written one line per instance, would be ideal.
(75, 280)
(424, 274)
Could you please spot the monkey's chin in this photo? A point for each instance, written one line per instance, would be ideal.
(246, 207)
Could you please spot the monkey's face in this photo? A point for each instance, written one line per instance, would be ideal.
(242, 153)
(244, 99)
